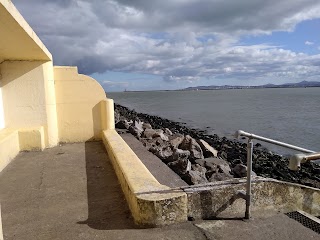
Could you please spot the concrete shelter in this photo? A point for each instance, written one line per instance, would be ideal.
(42, 105)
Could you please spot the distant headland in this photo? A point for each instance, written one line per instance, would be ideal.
(303, 84)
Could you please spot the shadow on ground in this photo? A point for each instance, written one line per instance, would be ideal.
(107, 207)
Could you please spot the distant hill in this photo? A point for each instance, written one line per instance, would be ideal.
(302, 84)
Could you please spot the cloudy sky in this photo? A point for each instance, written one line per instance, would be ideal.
(172, 44)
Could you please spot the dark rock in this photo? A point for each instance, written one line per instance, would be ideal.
(135, 131)
(194, 177)
(116, 117)
(191, 145)
(164, 154)
(208, 151)
(218, 176)
(240, 171)
(215, 165)
(180, 154)
(122, 124)
(181, 166)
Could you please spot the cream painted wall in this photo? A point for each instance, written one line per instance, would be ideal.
(51, 131)
(78, 100)
(2, 123)
(28, 97)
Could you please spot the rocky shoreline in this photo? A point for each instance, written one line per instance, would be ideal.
(200, 158)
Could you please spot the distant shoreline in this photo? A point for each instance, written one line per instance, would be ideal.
(222, 88)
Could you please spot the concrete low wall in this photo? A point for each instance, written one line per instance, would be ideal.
(269, 196)
(151, 203)
(12, 141)
(9, 146)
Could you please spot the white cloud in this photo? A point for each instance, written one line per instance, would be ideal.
(308, 43)
(178, 40)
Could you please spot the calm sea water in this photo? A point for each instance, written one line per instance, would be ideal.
(289, 115)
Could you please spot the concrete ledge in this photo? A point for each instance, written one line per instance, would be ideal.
(269, 196)
(32, 139)
(9, 146)
(151, 203)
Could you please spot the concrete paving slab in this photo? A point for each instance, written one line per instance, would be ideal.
(277, 227)
(71, 192)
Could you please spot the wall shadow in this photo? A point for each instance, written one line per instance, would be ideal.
(24, 68)
(96, 119)
(107, 207)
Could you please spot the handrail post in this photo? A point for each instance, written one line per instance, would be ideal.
(249, 174)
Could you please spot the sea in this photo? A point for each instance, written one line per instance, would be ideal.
(290, 115)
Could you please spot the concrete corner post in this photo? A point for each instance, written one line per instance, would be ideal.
(107, 114)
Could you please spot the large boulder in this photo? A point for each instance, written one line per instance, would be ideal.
(219, 176)
(214, 164)
(122, 124)
(240, 170)
(180, 154)
(116, 117)
(168, 132)
(176, 140)
(138, 124)
(181, 166)
(159, 133)
(196, 176)
(208, 151)
(163, 153)
(146, 126)
(135, 131)
(191, 145)
(148, 133)
(217, 169)
(154, 133)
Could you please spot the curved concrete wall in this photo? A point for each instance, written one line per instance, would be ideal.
(78, 100)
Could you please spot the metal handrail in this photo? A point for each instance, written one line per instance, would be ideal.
(269, 140)
(294, 163)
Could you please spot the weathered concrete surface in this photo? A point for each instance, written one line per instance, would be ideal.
(273, 228)
(71, 192)
(156, 167)
(269, 196)
(151, 203)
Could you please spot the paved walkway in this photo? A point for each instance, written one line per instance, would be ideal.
(71, 192)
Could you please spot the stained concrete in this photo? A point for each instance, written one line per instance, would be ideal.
(71, 192)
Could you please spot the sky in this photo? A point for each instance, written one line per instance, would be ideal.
(174, 44)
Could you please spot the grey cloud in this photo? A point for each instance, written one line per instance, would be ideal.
(178, 40)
